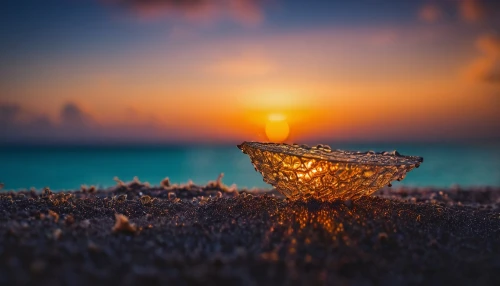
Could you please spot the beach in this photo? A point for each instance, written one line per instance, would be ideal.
(351, 142)
(135, 233)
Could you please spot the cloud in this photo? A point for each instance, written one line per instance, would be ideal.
(430, 13)
(9, 112)
(486, 67)
(472, 10)
(74, 125)
(244, 12)
(73, 116)
(487, 11)
(19, 123)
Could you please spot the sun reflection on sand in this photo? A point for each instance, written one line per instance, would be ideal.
(296, 224)
(321, 219)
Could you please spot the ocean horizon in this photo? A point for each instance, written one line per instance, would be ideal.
(67, 167)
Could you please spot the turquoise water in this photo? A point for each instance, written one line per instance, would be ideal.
(69, 167)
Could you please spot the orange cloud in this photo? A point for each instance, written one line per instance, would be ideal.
(245, 12)
(472, 10)
(430, 13)
(487, 66)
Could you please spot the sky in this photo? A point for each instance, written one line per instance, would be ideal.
(219, 71)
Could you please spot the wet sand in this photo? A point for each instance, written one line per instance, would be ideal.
(214, 235)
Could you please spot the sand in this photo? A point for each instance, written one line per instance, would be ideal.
(213, 235)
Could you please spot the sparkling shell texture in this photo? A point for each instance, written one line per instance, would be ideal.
(300, 171)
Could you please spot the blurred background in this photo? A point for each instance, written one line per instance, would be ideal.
(92, 89)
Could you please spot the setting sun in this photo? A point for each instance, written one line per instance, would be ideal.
(277, 129)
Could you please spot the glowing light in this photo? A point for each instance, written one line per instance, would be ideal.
(277, 129)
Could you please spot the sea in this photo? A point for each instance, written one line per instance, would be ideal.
(69, 167)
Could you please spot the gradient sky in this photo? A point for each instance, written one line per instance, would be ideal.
(216, 70)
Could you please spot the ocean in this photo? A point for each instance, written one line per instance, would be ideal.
(69, 167)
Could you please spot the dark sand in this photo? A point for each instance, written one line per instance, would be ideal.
(398, 237)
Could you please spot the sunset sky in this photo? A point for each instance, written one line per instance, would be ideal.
(217, 71)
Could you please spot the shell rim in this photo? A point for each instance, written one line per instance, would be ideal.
(414, 160)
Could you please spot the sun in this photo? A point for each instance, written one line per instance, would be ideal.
(277, 129)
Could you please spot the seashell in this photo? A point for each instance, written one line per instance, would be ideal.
(299, 171)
